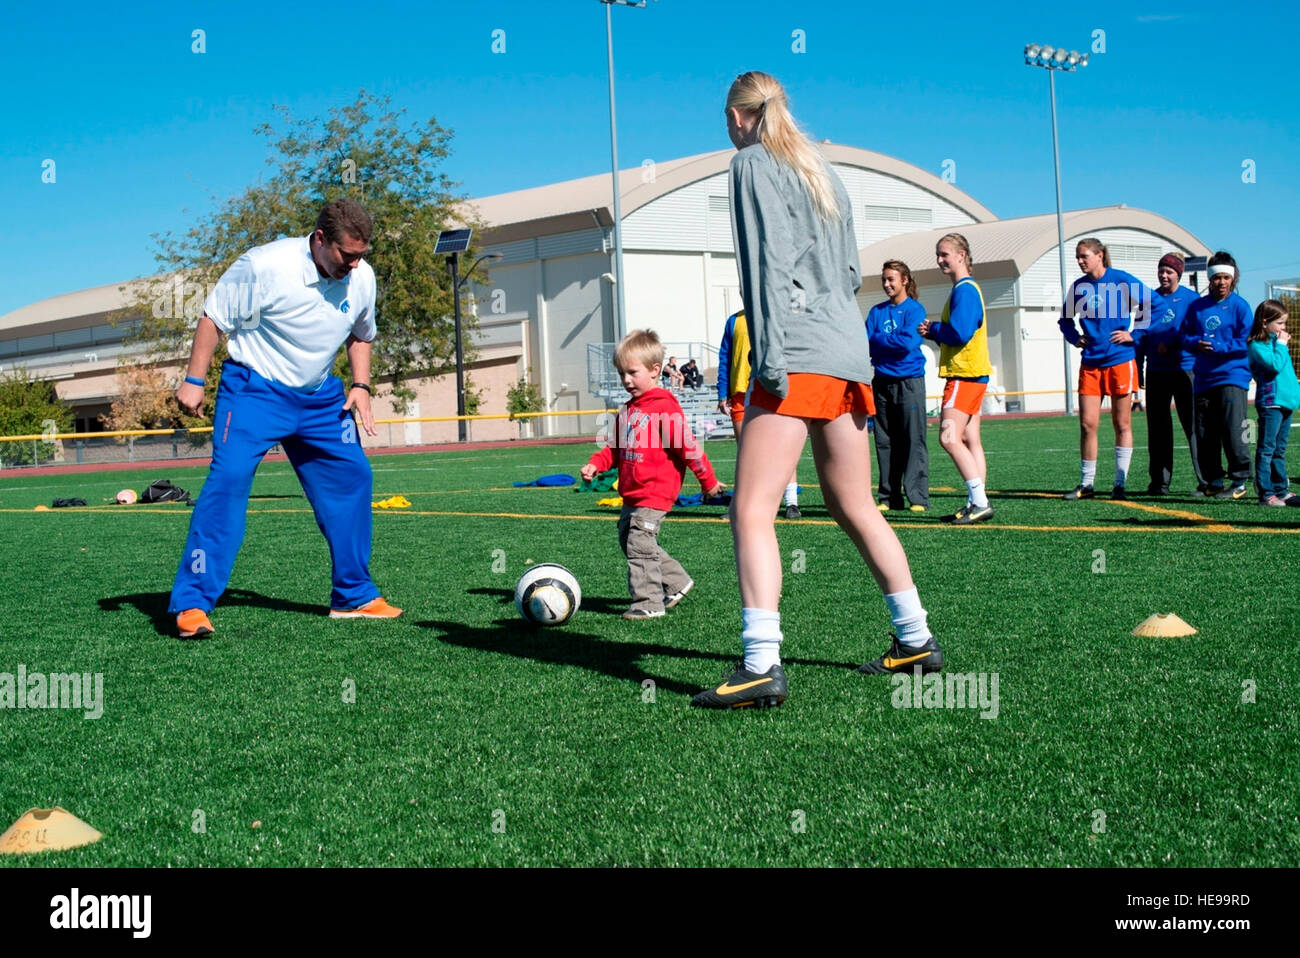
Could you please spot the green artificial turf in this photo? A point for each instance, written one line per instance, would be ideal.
(475, 741)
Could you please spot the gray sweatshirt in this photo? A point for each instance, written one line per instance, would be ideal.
(798, 275)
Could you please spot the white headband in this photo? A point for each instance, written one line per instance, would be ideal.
(1221, 268)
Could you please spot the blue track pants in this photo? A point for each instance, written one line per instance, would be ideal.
(322, 443)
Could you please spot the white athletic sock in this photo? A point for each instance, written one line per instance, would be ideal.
(908, 617)
(761, 633)
(975, 493)
(1089, 471)
(792, 494)
(1123, 456)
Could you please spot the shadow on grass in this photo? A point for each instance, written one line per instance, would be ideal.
(592, 603)
(154, 605)
(1174, 522)
(1036, 495)
(613, 657)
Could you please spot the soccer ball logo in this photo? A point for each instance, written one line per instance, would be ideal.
(547, 594)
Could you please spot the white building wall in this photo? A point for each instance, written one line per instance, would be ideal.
(576, 308)
(666, 292)
(695, 217)
(885, 206)
(698, 216)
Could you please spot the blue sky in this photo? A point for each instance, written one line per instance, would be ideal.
(145, 134)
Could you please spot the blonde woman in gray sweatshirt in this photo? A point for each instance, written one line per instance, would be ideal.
(797, 257)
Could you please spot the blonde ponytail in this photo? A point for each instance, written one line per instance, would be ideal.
(760, 94)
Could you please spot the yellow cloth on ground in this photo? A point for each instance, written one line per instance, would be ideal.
(393, 502)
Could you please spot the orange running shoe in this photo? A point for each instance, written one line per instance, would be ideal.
(194, 624)
(374, 609)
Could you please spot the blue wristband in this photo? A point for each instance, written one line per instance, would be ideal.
(195, 381)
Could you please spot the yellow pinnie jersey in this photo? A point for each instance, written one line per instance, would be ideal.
(970, 361)
(739, 372)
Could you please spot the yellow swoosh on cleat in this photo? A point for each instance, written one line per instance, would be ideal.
(725, 689)
(895, 663)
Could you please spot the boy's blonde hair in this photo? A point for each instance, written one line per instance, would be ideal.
(640, 344)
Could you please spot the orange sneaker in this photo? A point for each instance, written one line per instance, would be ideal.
(374, 609)
(193, 624)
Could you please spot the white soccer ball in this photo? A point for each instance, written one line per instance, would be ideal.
(547, 594)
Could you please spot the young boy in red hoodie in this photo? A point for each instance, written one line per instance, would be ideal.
(652, 446)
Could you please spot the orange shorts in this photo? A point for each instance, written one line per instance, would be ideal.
(964, 395)
(814, 396)
(1118, 380)
(737, 408)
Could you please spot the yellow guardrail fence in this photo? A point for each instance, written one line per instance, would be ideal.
(199, 430)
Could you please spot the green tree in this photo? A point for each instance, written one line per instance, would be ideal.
(28, 407)
(370, 152)
(524, 396)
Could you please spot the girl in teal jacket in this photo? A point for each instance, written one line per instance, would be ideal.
(1277, 394)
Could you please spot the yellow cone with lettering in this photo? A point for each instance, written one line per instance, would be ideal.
(1164, 625)
(44, 830)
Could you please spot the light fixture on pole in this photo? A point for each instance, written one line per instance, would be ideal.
(452, 243)
(1052, 59)
(620, 312)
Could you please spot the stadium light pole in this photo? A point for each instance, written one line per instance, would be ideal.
(1052, 59)
(619, 303)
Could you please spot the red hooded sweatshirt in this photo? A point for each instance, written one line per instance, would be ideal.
(652, 446)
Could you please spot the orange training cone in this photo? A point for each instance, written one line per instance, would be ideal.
(1164, 625)
(46, 829)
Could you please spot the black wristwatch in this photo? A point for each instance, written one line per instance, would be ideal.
(365, 386)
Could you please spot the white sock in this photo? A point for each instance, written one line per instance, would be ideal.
(1123, 456)
(760, 630)
(792, 494)
(975, 493)
(908, 617)
(1089, 471)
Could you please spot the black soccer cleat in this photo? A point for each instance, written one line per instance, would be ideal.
(1081, 492)
(792, 512)
(1236, 491)
(745, 689)
(970, 514)
(1118, 494)
(905, 658)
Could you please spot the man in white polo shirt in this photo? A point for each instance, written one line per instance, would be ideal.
(287, 307)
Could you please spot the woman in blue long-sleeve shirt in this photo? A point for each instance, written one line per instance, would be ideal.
(899, 389)
(1215, 332)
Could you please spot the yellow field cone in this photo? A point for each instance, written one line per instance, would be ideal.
(46, 829)
(1164, 625)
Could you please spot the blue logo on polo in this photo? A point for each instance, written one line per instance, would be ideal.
(1212, 323)
(1168, 317)
(343, 306)
(889, 325)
